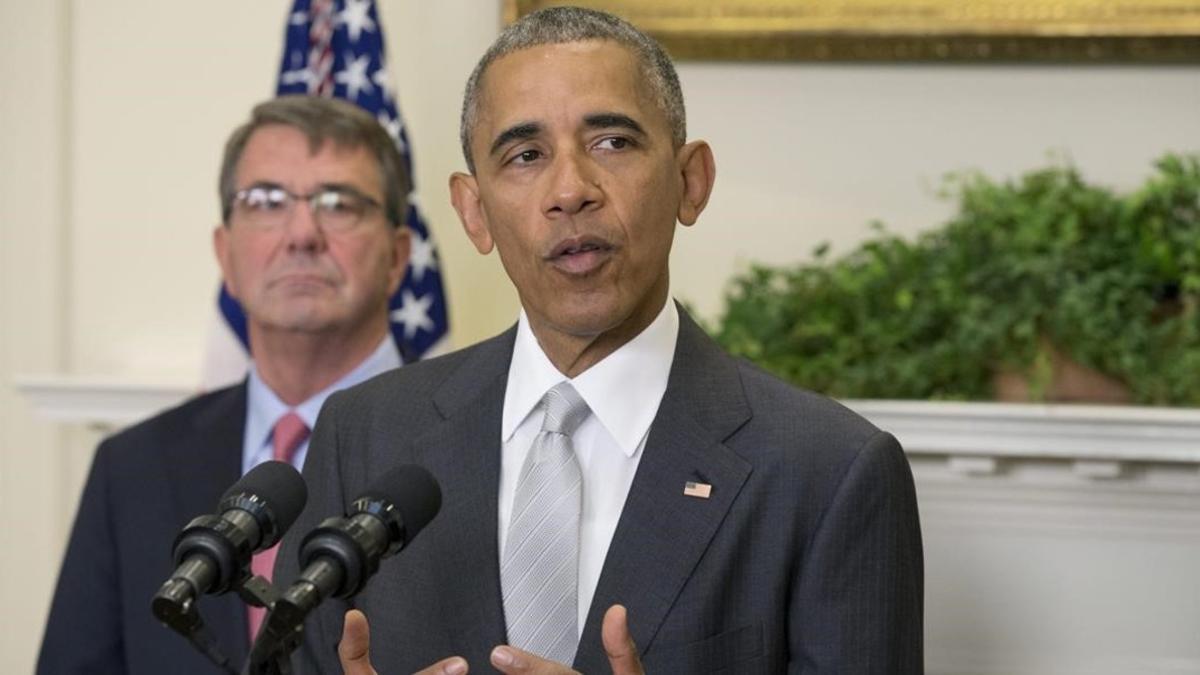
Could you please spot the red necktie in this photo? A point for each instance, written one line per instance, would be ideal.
(290, 432)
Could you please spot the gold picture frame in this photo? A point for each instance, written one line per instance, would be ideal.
(1079, 31)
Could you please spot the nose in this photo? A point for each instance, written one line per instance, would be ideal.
(574, 186)
(301, 231)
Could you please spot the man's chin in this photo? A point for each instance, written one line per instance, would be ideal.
(588, 322)
(300, 322)
(591, 315)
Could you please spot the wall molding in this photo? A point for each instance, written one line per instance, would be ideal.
(971, 439)
(1096, 433)
(100, 403)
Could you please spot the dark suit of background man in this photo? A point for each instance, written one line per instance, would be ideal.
(312, 193)
(796, 547)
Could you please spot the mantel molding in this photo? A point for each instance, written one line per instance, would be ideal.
(106, 403)
(966, 431)
(1101, 433)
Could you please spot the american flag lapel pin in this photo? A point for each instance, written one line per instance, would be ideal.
(694, 489)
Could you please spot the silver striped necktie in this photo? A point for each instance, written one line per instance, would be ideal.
(540, 572)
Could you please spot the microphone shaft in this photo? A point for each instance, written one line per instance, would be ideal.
(319, 580)
(198, 572)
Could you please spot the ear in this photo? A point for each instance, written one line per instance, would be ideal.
(464, 195)
(699, 173)
(223, 250)
(401, 250)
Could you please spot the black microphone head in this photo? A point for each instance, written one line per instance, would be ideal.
(412, 491)
(273, 493)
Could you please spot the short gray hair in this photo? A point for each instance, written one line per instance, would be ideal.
(322, 119)
(560, 25)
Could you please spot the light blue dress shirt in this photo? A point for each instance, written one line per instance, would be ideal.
(264, 408)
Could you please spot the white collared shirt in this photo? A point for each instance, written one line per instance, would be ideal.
(623, 392)
(264, 408)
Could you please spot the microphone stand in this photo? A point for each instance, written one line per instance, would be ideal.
(271, 652)
(175, 607)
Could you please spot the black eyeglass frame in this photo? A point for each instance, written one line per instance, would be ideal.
(321, 203)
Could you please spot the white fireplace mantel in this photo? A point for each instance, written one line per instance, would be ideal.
(105, 403)
(969, 432)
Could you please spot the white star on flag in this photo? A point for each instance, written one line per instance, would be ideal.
(355, 18)
(393, 125)
(298, 18)
(413, 313)
(421, 257)
(301, 76)
(381, 80)
(354, 75)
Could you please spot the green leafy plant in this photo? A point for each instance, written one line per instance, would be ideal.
(1112, 281)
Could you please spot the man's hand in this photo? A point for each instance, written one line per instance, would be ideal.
(618, 643)
(354, 651)
(614, 633)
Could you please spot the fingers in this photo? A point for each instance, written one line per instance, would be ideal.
(354, 651)
(614, 633)
(618, 643)
(354, 648)
(512, 661)
(452, 666)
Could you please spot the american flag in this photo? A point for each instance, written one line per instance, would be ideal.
(336, 48)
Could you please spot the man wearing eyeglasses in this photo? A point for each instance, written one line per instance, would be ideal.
(312, 243)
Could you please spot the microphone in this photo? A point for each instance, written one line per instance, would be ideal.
(212, 552)
(341, 554)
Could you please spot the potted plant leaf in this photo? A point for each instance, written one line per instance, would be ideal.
(1044, 281)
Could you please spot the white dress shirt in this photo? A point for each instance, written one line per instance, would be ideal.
(623, 392)
(264, 408)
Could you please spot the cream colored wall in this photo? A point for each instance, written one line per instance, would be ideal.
(114, 113)
(813, 153)
(32, 315)
(153, 106)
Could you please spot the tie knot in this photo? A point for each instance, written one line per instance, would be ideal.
(290, 432)
(565, 409)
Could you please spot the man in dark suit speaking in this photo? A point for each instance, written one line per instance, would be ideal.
(617, 491)
(313, 244)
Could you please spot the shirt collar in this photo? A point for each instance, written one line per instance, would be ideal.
(264, 407)
(623, 390)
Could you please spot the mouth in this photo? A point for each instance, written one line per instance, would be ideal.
(301, 280)
(580, 256)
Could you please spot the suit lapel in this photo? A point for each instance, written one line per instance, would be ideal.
(663, 533)
(205, 463)
(201, 467)
(463, 452)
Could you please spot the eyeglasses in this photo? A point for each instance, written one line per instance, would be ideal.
(335, 209)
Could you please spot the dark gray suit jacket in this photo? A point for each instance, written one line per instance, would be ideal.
(145, 484)
(806, 558)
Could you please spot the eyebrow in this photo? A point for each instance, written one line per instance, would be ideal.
(517, 132)
(341, 187)
(261, 185)
(612, 120)
(321, 187)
